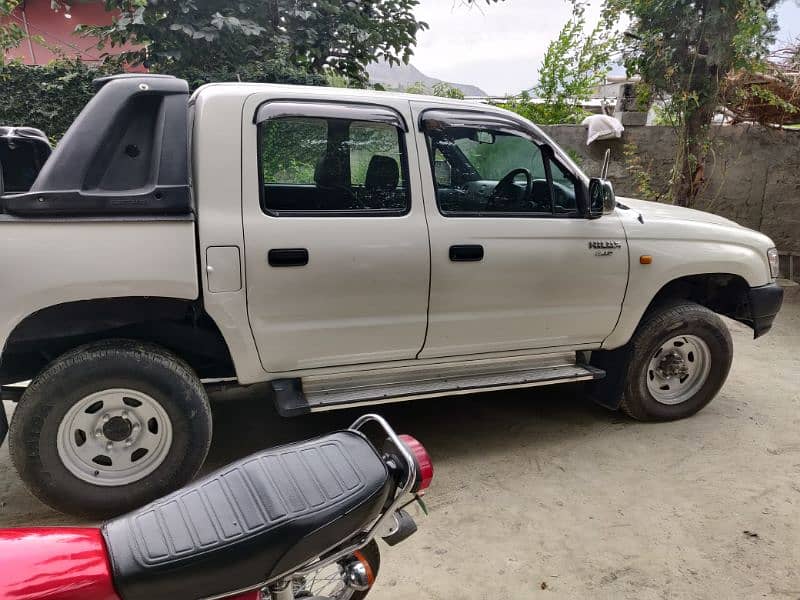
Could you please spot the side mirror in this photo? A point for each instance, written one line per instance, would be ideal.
(601, 198)
(23, 153)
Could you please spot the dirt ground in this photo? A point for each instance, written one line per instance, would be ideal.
(540, 494)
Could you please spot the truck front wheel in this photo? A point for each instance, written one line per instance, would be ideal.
(109, 427)
(681, 356)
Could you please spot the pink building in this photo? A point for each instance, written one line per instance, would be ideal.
(57, 30)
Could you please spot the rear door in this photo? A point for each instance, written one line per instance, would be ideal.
(513, 264)
(337, 254)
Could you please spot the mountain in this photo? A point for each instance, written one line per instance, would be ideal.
(402, 76)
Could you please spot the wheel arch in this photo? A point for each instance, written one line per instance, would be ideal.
(724, 293)
(179, 325)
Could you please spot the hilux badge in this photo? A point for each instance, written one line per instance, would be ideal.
(604, 244)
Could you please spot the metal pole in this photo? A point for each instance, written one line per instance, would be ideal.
(28, 34)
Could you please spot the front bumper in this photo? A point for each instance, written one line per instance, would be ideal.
(765, 303)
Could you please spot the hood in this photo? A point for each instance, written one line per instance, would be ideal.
(657, 210)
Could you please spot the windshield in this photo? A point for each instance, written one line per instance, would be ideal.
(492, 161)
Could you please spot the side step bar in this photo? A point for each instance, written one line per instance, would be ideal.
(291, 400)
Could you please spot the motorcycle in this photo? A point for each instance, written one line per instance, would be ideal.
(296, 521)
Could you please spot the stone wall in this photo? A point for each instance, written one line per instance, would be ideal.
(754, 175)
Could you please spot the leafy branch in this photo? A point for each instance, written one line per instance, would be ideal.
(575, 63)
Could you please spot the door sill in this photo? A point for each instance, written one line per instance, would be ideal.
(350, 369)
(317, 394)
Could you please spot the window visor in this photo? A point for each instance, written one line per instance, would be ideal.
(329, 110)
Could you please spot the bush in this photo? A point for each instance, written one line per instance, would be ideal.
(270, 71)
(49, 97)
(46, 97)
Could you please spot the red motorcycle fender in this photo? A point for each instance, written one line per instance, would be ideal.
(54, 564)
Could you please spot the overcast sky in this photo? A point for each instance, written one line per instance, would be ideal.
(500, 47)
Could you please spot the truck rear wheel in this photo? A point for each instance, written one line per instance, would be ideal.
(680, 359)
(109, 427)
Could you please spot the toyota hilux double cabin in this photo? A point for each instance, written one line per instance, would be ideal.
(349, 247)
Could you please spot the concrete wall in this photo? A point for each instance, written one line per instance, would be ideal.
(754, 175)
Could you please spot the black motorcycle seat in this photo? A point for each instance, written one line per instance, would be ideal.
(250, 521)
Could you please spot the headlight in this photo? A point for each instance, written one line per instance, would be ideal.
(774, 262)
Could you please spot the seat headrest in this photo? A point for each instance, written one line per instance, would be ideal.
(382, 173)
(330, 170)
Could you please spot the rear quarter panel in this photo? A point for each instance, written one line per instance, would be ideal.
(48, 262)
(217, 176)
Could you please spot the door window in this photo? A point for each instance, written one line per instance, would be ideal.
(326, 166)
(291, 149)
(495, 172)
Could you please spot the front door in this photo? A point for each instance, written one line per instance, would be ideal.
(337, 255)
(513, 264)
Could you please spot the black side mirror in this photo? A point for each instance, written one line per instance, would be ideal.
(601, 198)
(23, 152)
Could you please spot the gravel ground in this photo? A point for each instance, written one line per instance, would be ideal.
(540, 494)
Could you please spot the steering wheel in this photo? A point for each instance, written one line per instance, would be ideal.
(506, 186)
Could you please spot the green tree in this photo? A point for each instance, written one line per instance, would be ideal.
(445, 90)
(575, 63)
(684, 49)
(417, 88)
(313, 35)
(441, 89)
(11, 34)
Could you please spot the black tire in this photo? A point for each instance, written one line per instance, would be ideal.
(657, 327)
(92, 368)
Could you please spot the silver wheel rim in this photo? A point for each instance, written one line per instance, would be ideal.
(678, 369)
(328, 582)
(114, 437)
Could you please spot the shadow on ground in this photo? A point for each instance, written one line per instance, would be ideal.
(245, 421)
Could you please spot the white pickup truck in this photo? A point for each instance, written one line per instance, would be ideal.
(350, 247)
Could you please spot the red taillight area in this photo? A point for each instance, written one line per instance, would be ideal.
(54, 564)
(424, 462)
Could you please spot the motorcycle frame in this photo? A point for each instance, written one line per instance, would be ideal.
(280, 587)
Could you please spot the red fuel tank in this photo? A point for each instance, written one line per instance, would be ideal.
(54, 564)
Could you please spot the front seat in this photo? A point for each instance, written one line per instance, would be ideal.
(381, 181)
(250, 521)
